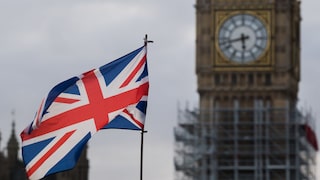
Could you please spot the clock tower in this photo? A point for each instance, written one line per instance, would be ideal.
(248, 50)
(248, 71)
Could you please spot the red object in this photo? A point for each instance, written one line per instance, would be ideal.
(311, 136)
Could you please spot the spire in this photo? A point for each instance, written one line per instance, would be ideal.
(13, 125)
(13, 146)
(0, 140)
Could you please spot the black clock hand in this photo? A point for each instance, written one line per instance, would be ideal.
(242, 38)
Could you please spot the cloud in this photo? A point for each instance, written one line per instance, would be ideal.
(45, 42)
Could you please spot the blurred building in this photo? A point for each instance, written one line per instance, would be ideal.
(247, 125)
(12, 168)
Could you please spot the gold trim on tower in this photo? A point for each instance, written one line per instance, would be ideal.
(263, 61)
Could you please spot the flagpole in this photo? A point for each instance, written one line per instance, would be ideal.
(146, 41)
(141, 154)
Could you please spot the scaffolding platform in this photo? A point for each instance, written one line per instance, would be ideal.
(260, 143)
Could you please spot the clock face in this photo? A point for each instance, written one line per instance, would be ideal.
(242, 38)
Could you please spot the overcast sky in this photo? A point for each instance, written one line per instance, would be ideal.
(45, 42)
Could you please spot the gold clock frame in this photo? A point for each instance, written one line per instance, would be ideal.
(263, 62)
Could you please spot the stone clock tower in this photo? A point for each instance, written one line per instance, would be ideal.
(248, 71)
(248, 50)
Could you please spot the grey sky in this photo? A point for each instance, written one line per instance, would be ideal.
(45, 42)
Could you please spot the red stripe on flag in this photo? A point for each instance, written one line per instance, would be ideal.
(39, 113)
(97, 109)
(134, 119)
(134, 72)
(49, 153)
(65, 100)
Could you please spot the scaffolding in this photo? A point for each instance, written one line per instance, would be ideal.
(261, 143)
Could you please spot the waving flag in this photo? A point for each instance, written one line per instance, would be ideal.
(113, 96)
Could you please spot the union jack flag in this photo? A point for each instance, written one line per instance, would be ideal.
(112, 96)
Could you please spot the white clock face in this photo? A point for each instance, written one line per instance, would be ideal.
(242, 38)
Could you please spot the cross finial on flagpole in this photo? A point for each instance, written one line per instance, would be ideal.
(146, 41)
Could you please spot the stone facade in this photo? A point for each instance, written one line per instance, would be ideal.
(276, 79)
(248, 73)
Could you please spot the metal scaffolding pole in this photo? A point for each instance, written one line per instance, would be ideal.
(261, 142)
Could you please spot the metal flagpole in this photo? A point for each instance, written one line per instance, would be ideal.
(141, 154)
(146, 41)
